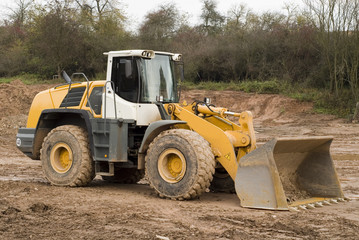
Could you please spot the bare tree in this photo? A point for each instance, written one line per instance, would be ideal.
(237, 13)
(18, 14)
(160, 26)
(99, 7)
(212, 19)
(337, 22)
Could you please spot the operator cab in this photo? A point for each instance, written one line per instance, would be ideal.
(145, 76)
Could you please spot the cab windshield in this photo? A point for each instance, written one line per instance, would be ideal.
(158, 79)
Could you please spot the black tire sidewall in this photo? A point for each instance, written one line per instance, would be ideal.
(172, 189)
(223, 184)
(62, 179)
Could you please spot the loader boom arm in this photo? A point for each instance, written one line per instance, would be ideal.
(229, 141)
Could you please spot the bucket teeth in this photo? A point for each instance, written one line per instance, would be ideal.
(314, 205)
(294, 209)
(310, 206)
(303, 207)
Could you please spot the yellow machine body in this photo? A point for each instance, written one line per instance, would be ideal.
(52, 99)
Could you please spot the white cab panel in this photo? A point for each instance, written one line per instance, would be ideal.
(142, 113)
(124, 109)
(147, 113)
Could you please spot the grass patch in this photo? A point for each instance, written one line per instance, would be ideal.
(271, 86)
(29, 79)
(342, 105)
(324, 101)
(205, 86)
(303, 94)
(6, 80)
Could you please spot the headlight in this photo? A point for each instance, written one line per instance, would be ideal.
(177, 57)
(148, 54)
(18, 142)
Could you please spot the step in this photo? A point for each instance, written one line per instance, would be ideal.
(101, 131)
(102, 159)
(105, 174)
(110, 172)
(102, 145)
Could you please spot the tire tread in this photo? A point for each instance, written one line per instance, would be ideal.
(87, 169)
(206, 162)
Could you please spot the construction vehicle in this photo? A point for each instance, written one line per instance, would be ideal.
(133, 124)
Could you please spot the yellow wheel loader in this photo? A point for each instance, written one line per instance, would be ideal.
(132, 125)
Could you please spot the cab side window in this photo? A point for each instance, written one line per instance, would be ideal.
(96, 99)
(125, 78)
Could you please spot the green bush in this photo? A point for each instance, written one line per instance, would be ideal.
(342, 105)
(303, 94)
(205, 85)
(270, 86)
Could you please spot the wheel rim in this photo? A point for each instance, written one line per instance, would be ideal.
(61, 157)
(171, 165)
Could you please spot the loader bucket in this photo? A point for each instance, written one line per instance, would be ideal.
(287, 172)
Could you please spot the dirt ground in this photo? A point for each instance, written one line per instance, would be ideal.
(30, 208)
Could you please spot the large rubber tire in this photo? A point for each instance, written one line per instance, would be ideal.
(222, 181)
(66, 158)
(125, 176)
(179, 164)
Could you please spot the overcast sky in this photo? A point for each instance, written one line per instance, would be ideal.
(137, 9)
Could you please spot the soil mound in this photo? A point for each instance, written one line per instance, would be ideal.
(16, 97)
(264, 107)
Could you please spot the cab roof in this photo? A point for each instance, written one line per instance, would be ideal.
(142, 53)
